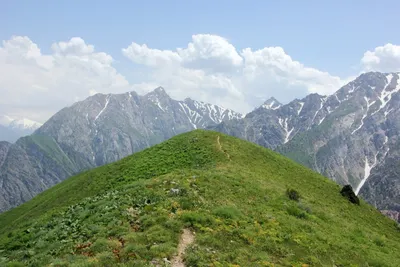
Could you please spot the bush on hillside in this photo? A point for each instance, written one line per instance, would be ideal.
(228, 212)
(293, 194)
(295, 211)
(347, 192)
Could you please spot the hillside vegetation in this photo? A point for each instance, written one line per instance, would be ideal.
(230, 193)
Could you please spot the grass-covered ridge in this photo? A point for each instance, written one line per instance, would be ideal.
(232, 193)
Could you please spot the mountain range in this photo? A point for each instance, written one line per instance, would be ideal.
(351, 136)
(93, 132)
(12, 129)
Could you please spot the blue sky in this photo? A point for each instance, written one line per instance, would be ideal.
(329, 36)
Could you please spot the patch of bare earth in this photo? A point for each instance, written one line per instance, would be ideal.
(222, 150)
(187, 238)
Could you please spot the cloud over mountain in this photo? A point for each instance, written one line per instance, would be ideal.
(209, 68)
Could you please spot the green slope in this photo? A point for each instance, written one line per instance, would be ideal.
(231, 193)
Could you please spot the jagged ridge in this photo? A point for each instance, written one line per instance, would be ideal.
(96, 131)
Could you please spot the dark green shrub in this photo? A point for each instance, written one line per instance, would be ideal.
(99, 245)
(163, 250)
(305, 208)
(14, 245)
(296, 212)
(192, 218)
(158, 234)
(15, 264)
(379, 241)
(133, 251)
(195, 257)
(186, 203)
(227, 212)
(293, 194)
(59, 263)
(106, 258)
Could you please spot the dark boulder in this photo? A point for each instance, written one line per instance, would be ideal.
(347, 192)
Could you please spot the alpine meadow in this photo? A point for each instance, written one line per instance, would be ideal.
(231, 195)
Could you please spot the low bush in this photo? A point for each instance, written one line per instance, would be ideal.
(293, 194)
(296, 212)
(227, 212)
(193, 218)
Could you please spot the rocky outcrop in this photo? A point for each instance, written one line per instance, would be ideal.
(395, 215)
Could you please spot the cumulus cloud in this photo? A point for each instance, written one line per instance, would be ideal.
(209, 68)
(212, 68)
(383, 58)
(273, 64)
(36, 85)
(210, 52)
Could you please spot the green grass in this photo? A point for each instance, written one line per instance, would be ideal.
(47, 146)
(124, 213)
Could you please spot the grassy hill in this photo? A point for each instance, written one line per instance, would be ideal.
(230, 193)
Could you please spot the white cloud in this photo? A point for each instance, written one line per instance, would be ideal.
(37, 85)
(76, 46)
(210, 52)
(383, 58)
(274, 65)
(92, 92)
(141, 54)
(209, 68)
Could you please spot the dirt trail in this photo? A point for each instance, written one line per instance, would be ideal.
(187, 238)
(220, 149)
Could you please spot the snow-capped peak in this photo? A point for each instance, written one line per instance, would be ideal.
(200, 114)
(271, 103)
(158, 92)
(24, 124)
(5, 120)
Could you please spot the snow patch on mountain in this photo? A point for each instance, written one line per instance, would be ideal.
(385, 96)
(5, 120)
(284, 124)
(20, 123)
(301, 108)
(367, 172)
(200, 113)
(271, 103)
(365, 114)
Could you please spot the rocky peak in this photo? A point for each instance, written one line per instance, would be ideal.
(11, 129)
(159, 98)
(5, 120)
(158, 92)
(95, 131)
(271, 103)
(189, 100)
